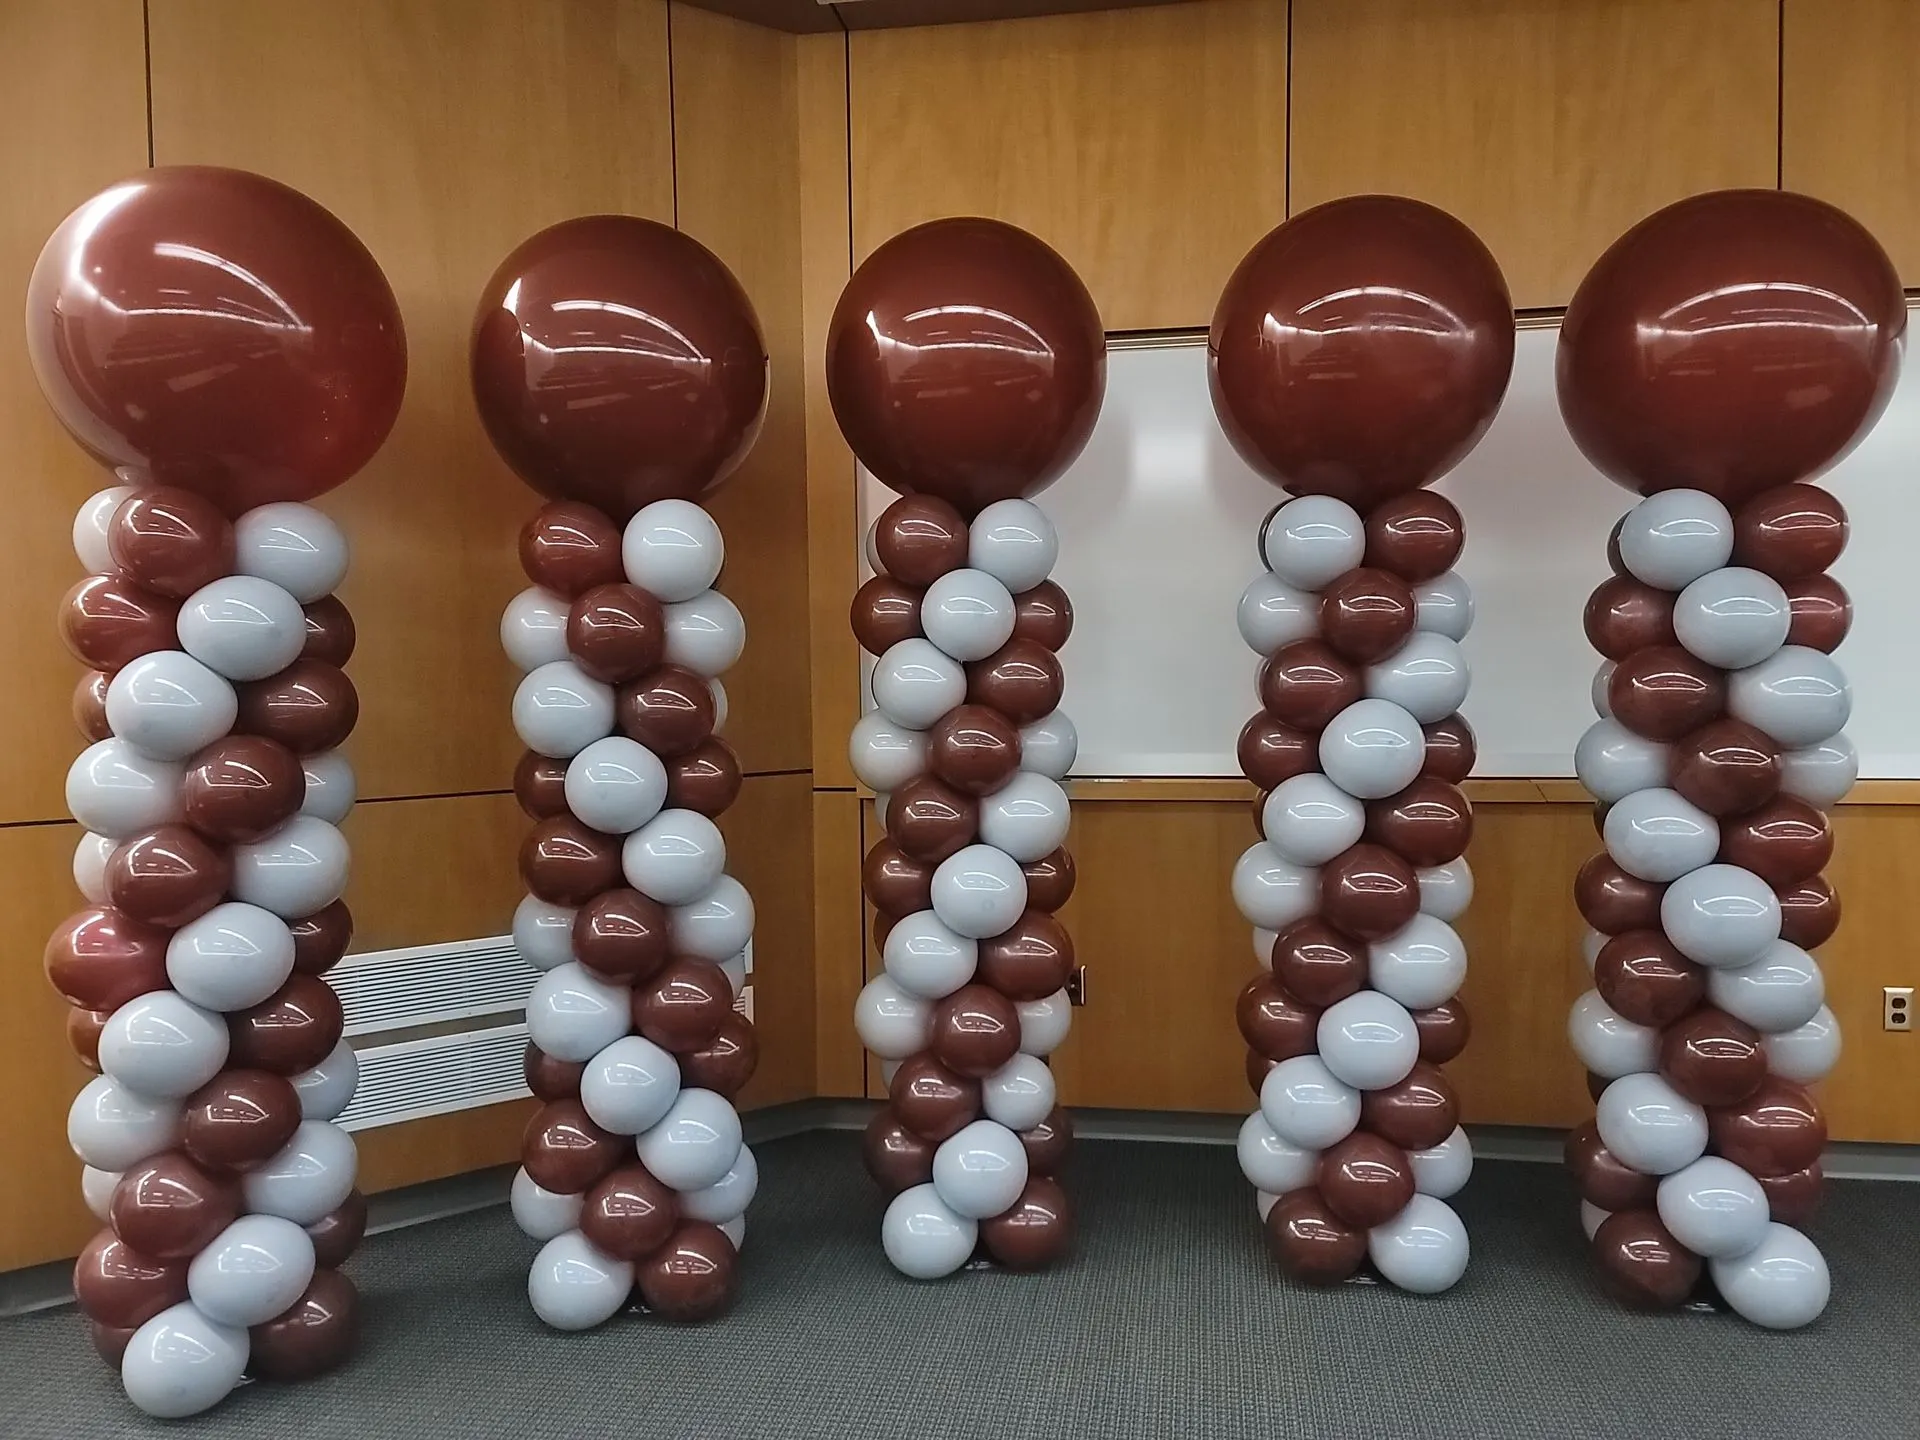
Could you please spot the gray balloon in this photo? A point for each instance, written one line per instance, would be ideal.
(1714, 1208)
(1659, 835)
(967, 613)
(573, 1014)
(695, 1144)
(310, 1176)
(1027, 817)
(1446, 890)
(1427, 677)
(1607, 1043)
(1272, 613)
(979, 891)
(1307, 1104)
(1821, 774)
(1591, 944)
(541, 1213)
(1613, 762)
(1797, 695)
(180, 1362)
(1270, 1163)
(575, 1286)
(1781, 1284)
(251, 1271)
(1421, 965)
(1805, 1054)
(1443, 1170)
(1720, 915)
(1782, 990)
(1671, 539)
(923, 1237)
(1308, 819)
(1597, 692)
(981, 1170)
(1368, 1040)
(1649, 1126)
(1271, 891)
(728, 1197)
(1374, 748)
(1732, 617)
(163, 1046)
(1423, 1249)
(629, 1086)
(1592, 1217)
(927, 959)
(1444, 606)
(327, 1089)
(1311, 541)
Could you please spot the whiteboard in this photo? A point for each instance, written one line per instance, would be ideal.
(1158, 520)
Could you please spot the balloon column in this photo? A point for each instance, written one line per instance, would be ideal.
(230, 351)
(1357, 354)
(1720, 354)
(618, 368)
(966, 365)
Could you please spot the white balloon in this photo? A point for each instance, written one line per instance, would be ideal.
(1659, 835)
(924, 1238)
(90, 856)
(716, 926)
(573, 1014)
(1732, 617)
(331, 788)
(1272, 614)
(1720, 915)
(90, 526)
(1307, 1104)
(1780, 1284)
(981, 1170)
(251, 1271)
(575, 1286)
(694, 1144)
(1797, 695)
(180, 1363)
(1311, 541)
(1422, 964)
(707, 634)
(1671, 539)
(1308, 819)
(96, 1188)
(162, 1045)
(541, 1213)
(1806, 1054)
(1609, 1044)
(533, 628)
(1270, 1163)
(294, 546)
(720, 704)
(1444, 606)
(242, 626)
(870, 548)
(1602, 679)
(629, 1086)
(111, 1127)
(1592, 1217)
(1263, 1203)
(1044, 1023)
(114, 790)
(1272, 892)
(327, 1089)
(928, 959)
(1649, 1126)
(728, 1197)
(310, 1177)
(1423, 1249)
(1014, 542)
(1443, 1170)
(1020, 1094)
(296, 870)
(1781, 990)
(1263, 943)
(1427, 677)
(914, 683)
(615, 785)
(672, 549)
(967, 614)
(1026, 817)
(892, 1023)
(735, 969)
(1374, 748)
(1591, 944)
(979, 891)
(230, 958)
(736, 1231)
(1714, 1208)
(559, 710)
(1050, 745)
(1820, 774)
(1446, 890)
(543, 933)
(1613, 762)
(167, 704)
(675, 858)
(885, 755)
(1368, 1040)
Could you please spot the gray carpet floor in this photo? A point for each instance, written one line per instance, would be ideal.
(1168, 1321)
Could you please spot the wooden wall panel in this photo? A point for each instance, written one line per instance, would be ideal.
(736, 158)
(426, 871)
(73, 95)
(1148, 146)
(769, 833)
(840, 941)
(1850, 124)
(1547, 128)
(444, 132)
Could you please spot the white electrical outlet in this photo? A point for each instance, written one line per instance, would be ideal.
(1897, 1007)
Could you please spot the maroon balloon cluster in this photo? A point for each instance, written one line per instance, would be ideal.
(1360, 351)
(222, 342)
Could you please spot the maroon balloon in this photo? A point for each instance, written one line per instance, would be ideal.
(1614, 902)
(1791, 533)
(540, 785)
(1312, 1244)
(974, 1031)
(1451, 750)
(1711, 1058)
(331, 634)
(1364, 1180)
(931, 820)
(565, 863)
(1273, 1022)
(1047, 1143)
(629, 1214)
(1305, 684)
(1050, 881)
(919, 538)
(726, 1062)
(549, 1078)
(1417, 536)
(931, 1100)
(1604, 1181)
(570, 548)
(83, 1034)
(1429, 823)
(616, 633)
(1774, 1131)
(170, 541)
(337, 1234)
(1820, 613)
(1444, 1030)
(1271, 752)
(217, 331)
(1257, 1068)
(321, 939)
(706, 779)
(1624, 615)
(682, 1005)
(1809, 913)
(117, 1286)
(692, 1277)
(973, 748)
(1417, 1113)
(1022, 680)
(1368, 891)
(169, 1207)
(1366, 614)
(90, 706)
(107, 621)
(241, 788)
(1726, 768)
(292, 1030)
(1646, 980)
(1667, 379)
(884, 612)
(1316, 964)
(1043, 615)
(1663, 693)
(1029, 960)
(1784, 842)
(895, 1157)
(1033, 1232)
(565, 1152)
(897, 884)
(669, 710)
(239, 1119)
(310, 1337)
(616, 361)
(1794, 1198)
(1640, 1262)
(167, 876)
(99, 959)
(621, 935)
(966, 360)
(110, 1341)
(308, 707)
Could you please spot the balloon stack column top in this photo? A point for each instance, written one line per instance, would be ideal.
(1720, 355)
(230, 351)
(966, 366)
(1358, 353)
(618, 368)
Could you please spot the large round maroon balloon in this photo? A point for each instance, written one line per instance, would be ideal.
(217, 331)
(1361, 348)
(966, 360)
(615, 360)
(1731, 342)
